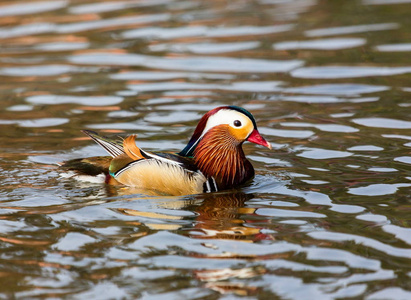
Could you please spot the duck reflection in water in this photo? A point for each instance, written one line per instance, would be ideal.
(219, 216)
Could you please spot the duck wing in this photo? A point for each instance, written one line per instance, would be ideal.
(166, 173)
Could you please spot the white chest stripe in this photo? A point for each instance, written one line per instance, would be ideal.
(162, 159)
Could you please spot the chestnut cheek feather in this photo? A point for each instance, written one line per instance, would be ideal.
(219, 155)
(256, 138)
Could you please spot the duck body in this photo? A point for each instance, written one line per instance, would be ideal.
(213, 159)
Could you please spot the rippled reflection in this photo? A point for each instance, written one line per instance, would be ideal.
(202, 64)
(327, 214)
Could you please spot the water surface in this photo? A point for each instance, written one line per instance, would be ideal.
(328, 213)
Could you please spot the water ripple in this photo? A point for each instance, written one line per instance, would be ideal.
(384, 2)
(205, 48)
(62, 46)
(406, 47)
(375, 169)
(47, 27)
(84, 100)
(311, 99)
(213, 64)
(391, 292)
(284, 264)
(72, 241)
(203, 31)
(31, 8)
(365, 148)
(44, 70)
(338, 89)
(150, 76)
(300, 134)
(372, 218)
(283, 213)
(236, 86)
(113, 6)
(322, 44)
(377, 189)
(317, 153)
(35, 123)
(322, 127)
(401, 233)
(316, 198)
(325, 217)
(351, 29)
(383, 123)
(334, 72)
(26, 30)
(90, 25)
(367, 242)
(403, 159)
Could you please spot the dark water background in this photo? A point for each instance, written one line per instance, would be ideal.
(328, 215)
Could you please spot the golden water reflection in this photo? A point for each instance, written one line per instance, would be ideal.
(217, 216)
(221, 216)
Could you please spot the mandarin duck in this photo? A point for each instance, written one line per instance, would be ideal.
(213, 159)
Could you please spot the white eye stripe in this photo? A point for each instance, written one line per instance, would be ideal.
(226, 116)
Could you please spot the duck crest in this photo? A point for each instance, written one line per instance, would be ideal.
(219, 155)
(189, 149)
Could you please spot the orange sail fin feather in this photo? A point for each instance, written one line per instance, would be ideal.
(213, 159)
(129, 146)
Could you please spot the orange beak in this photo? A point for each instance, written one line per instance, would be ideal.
(256, 138)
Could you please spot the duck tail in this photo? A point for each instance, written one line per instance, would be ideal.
(91, 169)
(114, 148)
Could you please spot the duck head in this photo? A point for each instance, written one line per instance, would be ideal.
(236, 122)
(216, 145)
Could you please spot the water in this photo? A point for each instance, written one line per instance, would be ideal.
(328, 213)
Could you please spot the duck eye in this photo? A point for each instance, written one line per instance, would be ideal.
(237, 123)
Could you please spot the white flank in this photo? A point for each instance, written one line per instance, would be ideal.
(100, 178)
